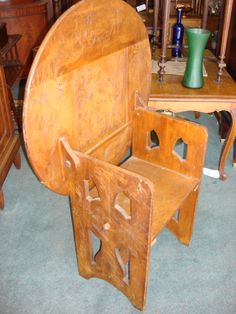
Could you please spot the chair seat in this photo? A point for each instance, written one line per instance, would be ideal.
(170, 190)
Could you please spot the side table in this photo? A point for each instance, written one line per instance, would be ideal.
(171, 95)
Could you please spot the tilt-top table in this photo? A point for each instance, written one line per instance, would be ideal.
(171, 95)
(85, 104)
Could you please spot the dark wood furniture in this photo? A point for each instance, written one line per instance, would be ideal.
(60, 6)
(31, 19)
(9, 59)
(9, 141)
(3, 35)
(89, 88)
(172, 95)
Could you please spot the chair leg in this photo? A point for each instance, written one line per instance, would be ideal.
(197, 114)
(234, 154)
(1, 199)
(17, 160)
(182, 227)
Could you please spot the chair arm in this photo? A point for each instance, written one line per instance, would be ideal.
(169, 133)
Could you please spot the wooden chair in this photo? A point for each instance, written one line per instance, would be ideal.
(85, 105)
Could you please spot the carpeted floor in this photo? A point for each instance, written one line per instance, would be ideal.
(38, 269)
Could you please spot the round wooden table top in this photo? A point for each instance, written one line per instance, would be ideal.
(82, 86)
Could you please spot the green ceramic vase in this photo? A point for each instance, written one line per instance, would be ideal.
(197, 39)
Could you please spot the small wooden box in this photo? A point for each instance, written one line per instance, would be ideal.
(3, 35)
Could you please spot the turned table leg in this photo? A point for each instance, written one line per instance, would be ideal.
(165, 25)
(227, 145)
(205, 13)
(156, 13)
(226, 26)
(1, 199)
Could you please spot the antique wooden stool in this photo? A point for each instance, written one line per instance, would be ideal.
(85, 106)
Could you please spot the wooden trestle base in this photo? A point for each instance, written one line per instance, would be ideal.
(127, 207)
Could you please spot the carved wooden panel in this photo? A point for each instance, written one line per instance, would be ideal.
(113, 206)
(176, 148)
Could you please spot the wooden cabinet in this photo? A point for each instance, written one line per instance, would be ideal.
(30, 19)
(9, 141)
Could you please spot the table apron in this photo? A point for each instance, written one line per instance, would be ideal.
(200, 105)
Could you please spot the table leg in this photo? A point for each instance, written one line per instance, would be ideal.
(165, 26)
(227, 145)
(205, 13)
(224, 120)
(226, 26)
(234, 154)
(156, 15)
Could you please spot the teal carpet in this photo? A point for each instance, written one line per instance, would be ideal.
(38, 268)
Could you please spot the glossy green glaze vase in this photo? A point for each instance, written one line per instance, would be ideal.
(197, 39)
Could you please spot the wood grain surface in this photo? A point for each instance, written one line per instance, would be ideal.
(82, 85)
